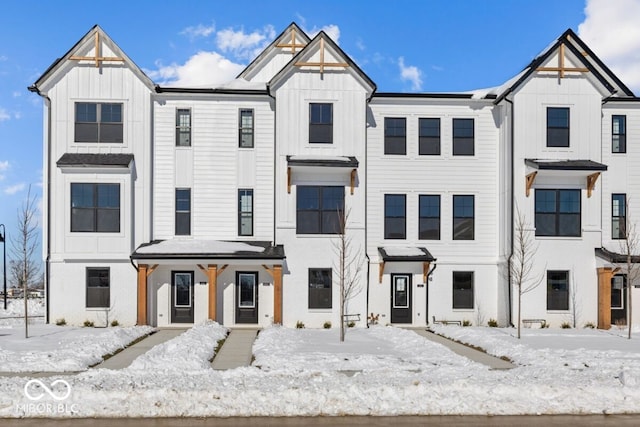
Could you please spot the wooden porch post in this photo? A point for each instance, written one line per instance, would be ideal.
(604, 297)
(213, 289)
(277, 294)
(142, 294)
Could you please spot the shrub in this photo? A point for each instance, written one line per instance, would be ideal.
(299, 324)
(466, 323)
(88, 323)
(544, 325)
(590, 325)
(565, 325)
(493, 323)
(373, 319)
(327, 325)
(351, 324)
(61, 322)
(115, 323)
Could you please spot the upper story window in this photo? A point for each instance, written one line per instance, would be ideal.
(463, 137)
(429, 137)
(246, 129)
(429, 212)
(618, 216)
(557, 127)
(463, 217)
(320, 123)
(98, 122)
(183, 212)
(95, 208)
(395, 135)
(395, 216)
(558, 213)
(245, 212)
(183, 127)
(319, 210)
(619, 134)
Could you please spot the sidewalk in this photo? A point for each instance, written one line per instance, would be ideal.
(466, 351)
(237, 350)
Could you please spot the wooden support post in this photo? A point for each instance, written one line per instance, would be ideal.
(353, 179)
(605, 274)
(425, 271)
(142, 294)
(212, 274)
(289, 180)
(277, 294)
(381, 272)
(529, 179)
(591, 182)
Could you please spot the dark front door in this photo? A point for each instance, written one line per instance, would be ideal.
(618, 300)
(401, 298)
(182, 297)
(246, 297)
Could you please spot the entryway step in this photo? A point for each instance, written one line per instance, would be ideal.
(237, 350)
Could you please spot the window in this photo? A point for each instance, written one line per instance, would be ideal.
(463, 137)
(98, 285)
(183, 127)
(557, 290)
(429, 221)
(98, 122)
(321, 123)
(618, 285)
(395, 216)
(183, 211)
(245, 212)
(95, 208)
(618, 216)
(619, 134)
(319, 210)
(463, 289)
(429, 137)
(557, 127)
(558, 213)
(246, 129)
(395, 135)
(320, 288)
(463, 217)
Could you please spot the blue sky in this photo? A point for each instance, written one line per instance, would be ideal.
(404, 46)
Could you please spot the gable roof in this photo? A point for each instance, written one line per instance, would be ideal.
(83, 42)
(584, 54)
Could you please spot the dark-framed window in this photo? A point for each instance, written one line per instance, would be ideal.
(320, 288)
(395, 135)
(183, 211)
(557, 127)
(319, 210)
(183, 127)
(463, 217)
(463, 137)
(619, 134)
(618, 285)
(618, 216)
(95, 208)
(320, 123)
(429, 137)
(463, 289)
(245, 131)
(98, 122)
(245, 212)
(558, 213)
(395, 216)
(429, 217)
(557, 290)
(98, 287)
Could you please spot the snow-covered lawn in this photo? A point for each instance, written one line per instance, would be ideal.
(14, 314)
(300, 372)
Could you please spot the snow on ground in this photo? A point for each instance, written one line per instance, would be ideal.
(14, 314)
(298, 372)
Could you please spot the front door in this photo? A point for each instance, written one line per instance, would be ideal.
(401, 298)
(246, 297)
(182, 297)
(618, 300)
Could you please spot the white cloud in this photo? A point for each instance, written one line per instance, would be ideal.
(3, 57)
(243, 45)
(411, 74)
(4, 166)
(13, 189)
(16, 93)
(204, 69)
(612, 30)
(198, 31)
(4, 115)
(332, 31)
(17, 115)
(360, 44)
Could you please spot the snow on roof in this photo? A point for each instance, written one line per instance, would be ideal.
(403, 251)
(243, 84)
(496, 90)
(196, 246)
(329, 158)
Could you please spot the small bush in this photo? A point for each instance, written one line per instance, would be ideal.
(88, 324)
(589, 325)
(544, 325)
(466, 323)
(327, 325)
(61, 322)
(115, 323)
(565, 325)
(493, 323)
(299, 324)
(351, 324)
(373, 319)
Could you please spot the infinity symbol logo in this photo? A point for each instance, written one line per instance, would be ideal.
(40, 395)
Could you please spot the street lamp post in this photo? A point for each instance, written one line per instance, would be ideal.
(3, 240)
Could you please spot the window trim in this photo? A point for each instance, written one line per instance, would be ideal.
(473, 217)
(248, 214)
(320, 125)
(386, 216)
(420, 216)
(183, 212)
(99, 122)
(87, 286)
(424, 152)
(567, 281)
(622, 217)
(241, 128)
(453, 290)
(622, 135)
(95, 207)
(389, 142)
(179, 127)
(472, 138)
(568, 127)
(330, 276)
(557, 214)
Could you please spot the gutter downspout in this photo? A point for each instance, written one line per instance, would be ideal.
(511, 130)
(426, 289)
(275, 161)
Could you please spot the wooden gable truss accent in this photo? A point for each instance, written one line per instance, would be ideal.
(529, 179)
(96, 57)
(292, 44)
(276, 273)
(561, 69)
(591, 182)
(144, 271)
(322, 64)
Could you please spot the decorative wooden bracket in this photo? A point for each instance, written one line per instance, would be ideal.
(381, 272)
(561, 69)
(289, 180)
(591, 182)
(529, 181)
(218, 270)
(96, 57)
(322, 64)
(292, 44)
(151, 269)
(353, 179)
(425, 271)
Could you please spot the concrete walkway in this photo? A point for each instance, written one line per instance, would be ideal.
(463, 350)
(236, 351)
(125, 357)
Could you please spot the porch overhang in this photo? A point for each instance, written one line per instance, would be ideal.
(550, 168)
(330, 164)
(615, 258)
(86, 160)
(405, 254)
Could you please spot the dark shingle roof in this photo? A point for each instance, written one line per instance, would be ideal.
(345, 162)
(569, 165)
(424, 257)
(615, 257)
(84, 159)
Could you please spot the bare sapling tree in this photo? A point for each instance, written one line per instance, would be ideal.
(629, 246)
(575, 307)
(349, 268)
(24, 268)
(523, 277)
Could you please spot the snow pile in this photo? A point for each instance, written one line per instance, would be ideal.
(53, 348)
(190, 351)
(14, 314)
